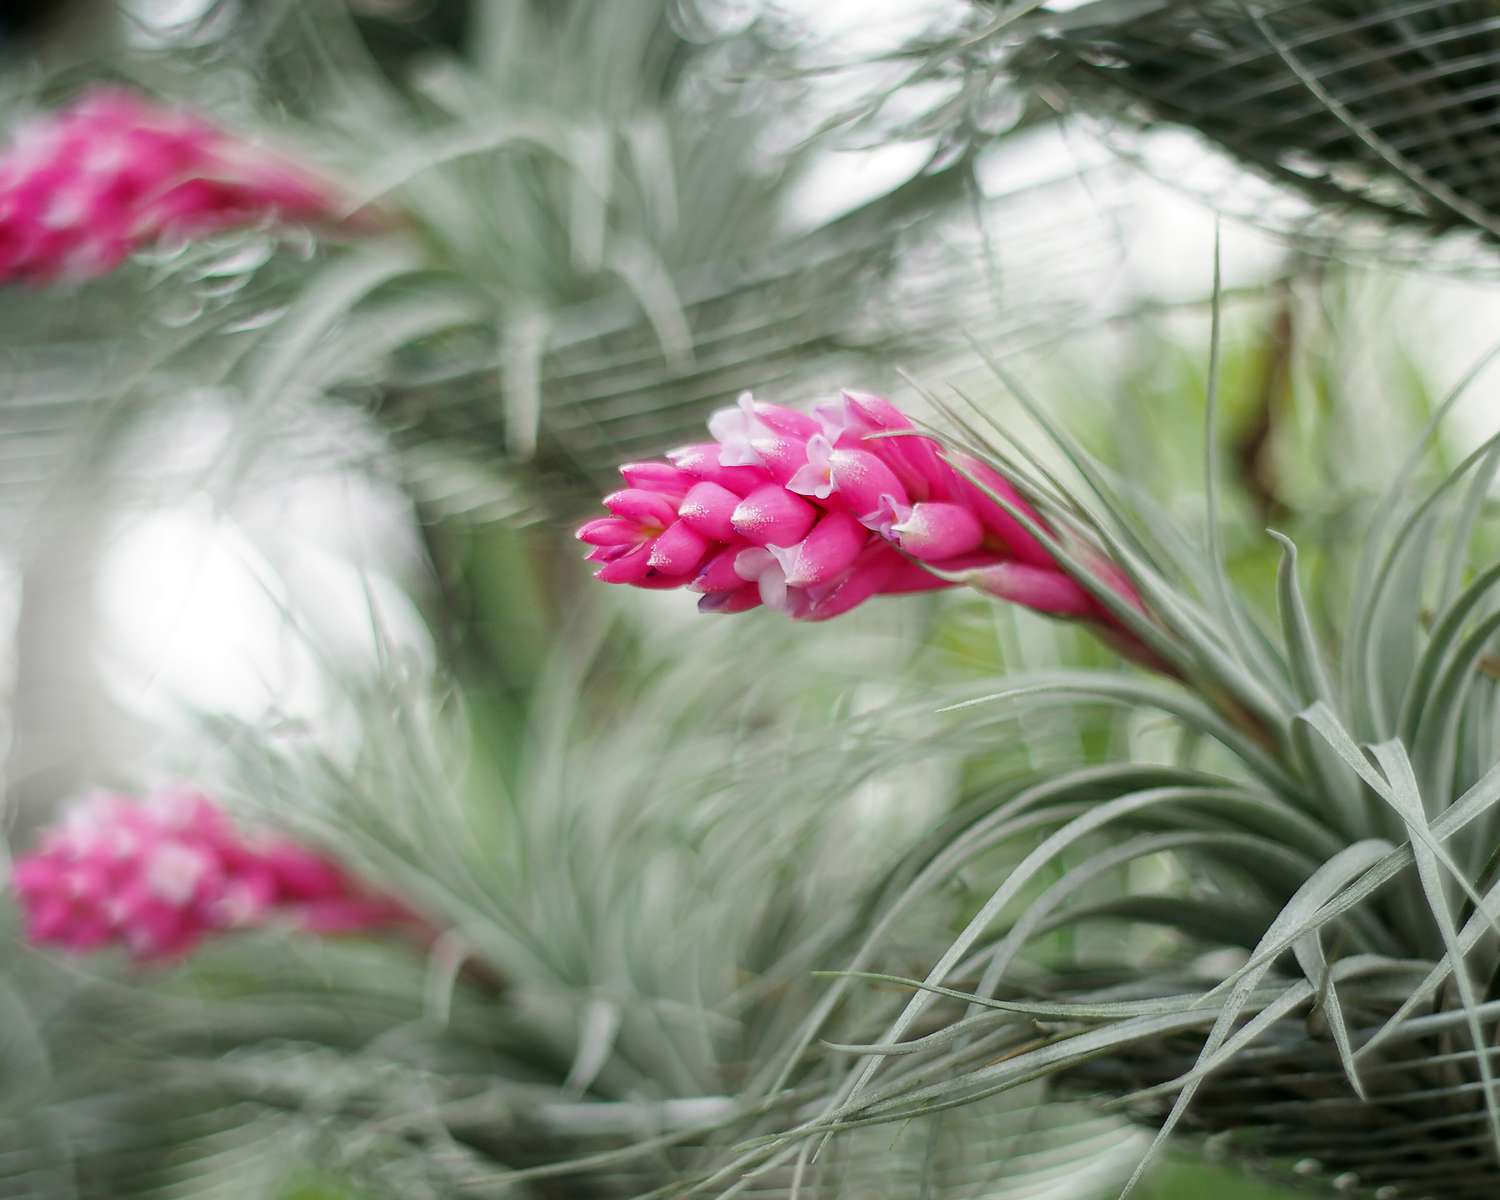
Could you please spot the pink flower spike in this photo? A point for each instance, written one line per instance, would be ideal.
(679, 550)
(83, 188)
(701, 461)
(158, 876)
(825, 553)
(661, 478)
(815, 476)
(933, 531)
(1046, 591)
(862, 481)
(772, 515)
(709, 509)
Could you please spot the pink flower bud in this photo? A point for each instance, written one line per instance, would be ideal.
(608, 531)
(645, 508)
(933, 531)
(679, 550)
(657, 477)
(709, 508)
(771, 515)
(825, 553)
(631, 567)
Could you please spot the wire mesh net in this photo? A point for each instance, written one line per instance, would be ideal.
(1385, 111)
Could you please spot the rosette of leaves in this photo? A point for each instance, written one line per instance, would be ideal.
(1271, 914)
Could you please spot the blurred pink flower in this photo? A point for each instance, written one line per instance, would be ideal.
(83, 188)
(159, 875)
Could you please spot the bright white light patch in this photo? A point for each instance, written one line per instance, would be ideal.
(190, 618)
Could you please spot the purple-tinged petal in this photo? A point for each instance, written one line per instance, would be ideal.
(1047, 591)
(934, 531)
(825, 553)
(609, 531)
(815, 476)
(861, 480)
(717, 574)
(889, 513)
(745, 597)
(628, 568)
(701, 461)
(773, 515)
(662, 478)
(637, 504)
(709, 509)
(678, 550)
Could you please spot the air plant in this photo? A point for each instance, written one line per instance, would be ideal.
(1321, 987)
